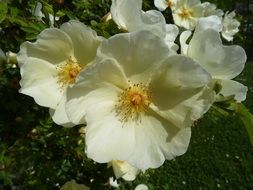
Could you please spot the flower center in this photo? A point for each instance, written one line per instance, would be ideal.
(68, 72)
(133, 101)
(185, 13)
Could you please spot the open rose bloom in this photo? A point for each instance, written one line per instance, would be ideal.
(137, 101)
(52, 63)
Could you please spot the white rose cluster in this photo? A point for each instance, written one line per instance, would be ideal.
(138, 92)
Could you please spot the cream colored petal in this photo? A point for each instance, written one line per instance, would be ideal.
(230, 26)
(141, 187)
(230, 88)
(52, 45)
(105, 73)
(129, 16)
(184, 114)
(178, 144)
(161, 4)
(222, 62)
(183, 41)
(157, 139)
(81, 98)
(176, 95)
(124, 170)
(172, 32)
(107, 138)
(193, 2)
(85, 40)
(133, 52)
(39, 80)
(153, 21)
(59, 115)
(197, 10)
(212, 22)
(126, 12)
(173, 82)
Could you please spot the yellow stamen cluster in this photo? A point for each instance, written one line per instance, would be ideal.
(68, 72)
(133, 101)
(185, 13)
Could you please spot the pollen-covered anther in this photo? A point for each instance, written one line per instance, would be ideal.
(133, 101)
(67, 72)
(185, 13)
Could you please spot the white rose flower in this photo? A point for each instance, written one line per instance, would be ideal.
(230, 26)
(222, 62)
(128, 15)
(187, 12)
(72, 185)
(139, 103)
(124, 170)
(211, 9)
(51, 64)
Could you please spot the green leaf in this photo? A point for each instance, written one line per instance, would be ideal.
(14, 11)
(3, 10)
(247, 119)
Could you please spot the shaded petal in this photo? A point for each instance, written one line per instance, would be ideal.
(172, 32)
(126, 12)
(52, 45)
(178, 143)
(222, 62)
(230, 87)
(183, 39)
(85, 40)
(157, 139)
(134, 54)
(184, 114)
(107, 138)
(81, 98)
(59, 115)
(141, 187)
(193, 2)
(105, 73)
(173, 83)
(40, 82)
(161, 4)
(106, 70)
(153, 21)
(124, 170)
(212, 22)
(129, 16)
